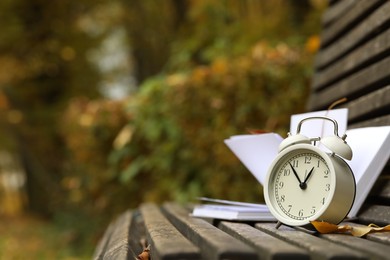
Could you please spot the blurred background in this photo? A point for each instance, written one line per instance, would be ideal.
(105, 104)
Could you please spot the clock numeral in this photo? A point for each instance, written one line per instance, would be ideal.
(327, 187)
(326, 173)
(323, 201)
(318, 164)
(295, 163)
(307, 159)
(286, 172)
(313, 210)
(281, 185)
(282, 198)
(289, 208)
(300, 212)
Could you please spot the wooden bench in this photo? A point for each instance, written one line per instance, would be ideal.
(353, 62)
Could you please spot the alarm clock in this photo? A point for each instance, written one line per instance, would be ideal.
(306, 182)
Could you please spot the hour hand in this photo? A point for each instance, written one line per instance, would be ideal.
(295, 173)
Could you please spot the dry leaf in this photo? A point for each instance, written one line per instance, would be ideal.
(357, 231)
(145, 255)
(324, 227)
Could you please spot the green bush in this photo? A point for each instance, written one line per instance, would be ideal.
(176, 149)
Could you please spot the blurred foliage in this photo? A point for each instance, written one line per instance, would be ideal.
(89, 128)
(44, 63)
(180, 120)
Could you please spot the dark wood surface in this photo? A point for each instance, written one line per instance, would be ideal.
(173, 234)
(354, 63)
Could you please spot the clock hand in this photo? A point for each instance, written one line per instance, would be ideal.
(303, 185)
(307, 177)
(296, 174)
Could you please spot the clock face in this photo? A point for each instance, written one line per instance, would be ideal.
(300, 185)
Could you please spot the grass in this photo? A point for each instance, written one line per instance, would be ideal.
(30, 237)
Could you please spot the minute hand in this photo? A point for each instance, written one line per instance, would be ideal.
(296, 174)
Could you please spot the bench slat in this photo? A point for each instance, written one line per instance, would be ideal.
(352, 16)
(367, 105)
(378, 214)
(367, 80)
(335, 11)
(372, 25)
(368, 247)
(214, 243)
(165, 240)
(267, 246)
(101, 247)
(318, 248)
(382, 237)
(365, 55)
(381, 189)
(117, 246)
(378, 121)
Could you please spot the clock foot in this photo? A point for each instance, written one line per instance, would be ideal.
(278, 224)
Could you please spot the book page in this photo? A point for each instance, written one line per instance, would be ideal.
(255, 151)
(371, 151)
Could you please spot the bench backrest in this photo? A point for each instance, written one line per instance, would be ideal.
(354, 62)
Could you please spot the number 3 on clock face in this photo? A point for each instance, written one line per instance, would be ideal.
(301, 185)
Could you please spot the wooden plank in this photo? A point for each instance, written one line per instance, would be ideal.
(363, 56)
(101, 247)
(138, 239)
(377, 214)
(267, 246)
(367, 105)
(318, 248)
(368, 247)
(213, 243)
(335, 11)
(350, 17)
(378, 121)
(166, 242)
(381, 189)
(364, 81)
(353, 38)
(379, 237)
(118, 244)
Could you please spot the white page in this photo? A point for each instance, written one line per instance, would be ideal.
(256, 151)
(371, 151)
(320, 128)
(234, 203)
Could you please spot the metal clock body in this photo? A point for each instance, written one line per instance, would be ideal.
(305, 183)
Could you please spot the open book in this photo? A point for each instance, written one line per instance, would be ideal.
(370, 146)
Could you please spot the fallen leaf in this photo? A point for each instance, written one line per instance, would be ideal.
(145, 255)
(324, 227)
(357, 231)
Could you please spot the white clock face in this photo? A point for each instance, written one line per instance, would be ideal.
(300, 185)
